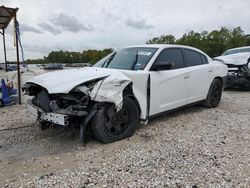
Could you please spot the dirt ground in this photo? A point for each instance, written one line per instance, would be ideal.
(192, 147)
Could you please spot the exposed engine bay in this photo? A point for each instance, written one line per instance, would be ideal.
(58, 106)
(74, 103)
(238, 76)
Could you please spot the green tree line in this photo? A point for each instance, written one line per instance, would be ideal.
(213, 43)
(64, 57)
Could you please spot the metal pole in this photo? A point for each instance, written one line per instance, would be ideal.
(18, 63)
(4, 48)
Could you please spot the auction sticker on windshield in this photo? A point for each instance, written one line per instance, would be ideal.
(144, 53)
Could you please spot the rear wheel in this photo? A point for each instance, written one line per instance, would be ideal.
(108, 125)
(214, 94)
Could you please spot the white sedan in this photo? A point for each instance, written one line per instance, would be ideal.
(126, 87)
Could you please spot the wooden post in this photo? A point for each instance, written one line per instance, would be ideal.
(17, 59)
(4, 48)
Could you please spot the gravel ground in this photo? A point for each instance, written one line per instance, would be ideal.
(192, 147)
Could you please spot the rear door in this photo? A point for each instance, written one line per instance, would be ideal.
(200, 75)
(168, 88)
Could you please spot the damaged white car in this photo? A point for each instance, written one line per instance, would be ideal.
(126, 87)
(238, 62)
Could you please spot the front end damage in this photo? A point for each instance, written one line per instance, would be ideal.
(238, 77)
(238, 72)
(56, 108)
(77, 107)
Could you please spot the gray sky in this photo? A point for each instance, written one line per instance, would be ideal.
(76, 25)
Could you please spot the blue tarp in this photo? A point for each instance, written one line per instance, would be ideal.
(5, 93)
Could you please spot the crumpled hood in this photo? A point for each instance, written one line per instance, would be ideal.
(235, 59)
(65, 80)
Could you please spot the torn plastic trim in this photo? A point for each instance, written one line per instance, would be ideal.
(111, 89)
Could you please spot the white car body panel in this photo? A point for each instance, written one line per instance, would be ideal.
(169, 89)
(199, 81)
(140, 83)
(111, 89)
(235, 59)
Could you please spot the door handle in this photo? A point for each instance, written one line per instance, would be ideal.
(187, 76)
(210, 70)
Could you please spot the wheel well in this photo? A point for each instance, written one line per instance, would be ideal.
(219, 78)
(128, 92)
(216, 78)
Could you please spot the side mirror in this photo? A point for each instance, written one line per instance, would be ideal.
(163, 66)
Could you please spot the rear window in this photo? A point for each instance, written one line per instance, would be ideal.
(192, 58)
(204, 59)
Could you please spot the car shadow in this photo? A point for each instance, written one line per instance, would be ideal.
(173, 114)
(237, 89)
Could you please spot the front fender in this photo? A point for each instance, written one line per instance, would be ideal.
(111, 89)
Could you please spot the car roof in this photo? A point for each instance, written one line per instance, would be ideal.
(162, 46)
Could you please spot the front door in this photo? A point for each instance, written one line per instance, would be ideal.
(168, 88)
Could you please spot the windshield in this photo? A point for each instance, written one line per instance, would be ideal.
(134, 58)
(235, 51)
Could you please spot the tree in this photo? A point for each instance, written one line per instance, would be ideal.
(87, 56)
(163, 39)
(214, 43)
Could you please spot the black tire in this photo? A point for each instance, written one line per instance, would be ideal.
(109, 126)
(214, 94)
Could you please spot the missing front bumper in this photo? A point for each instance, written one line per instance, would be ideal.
(59, 119)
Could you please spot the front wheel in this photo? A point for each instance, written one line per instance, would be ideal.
(108, 125)
(214, 94)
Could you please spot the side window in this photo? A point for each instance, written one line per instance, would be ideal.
(171, 56)
(192, 58)
(204, 59)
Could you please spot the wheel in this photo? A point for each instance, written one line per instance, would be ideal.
(214, 94)
(109, 126)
